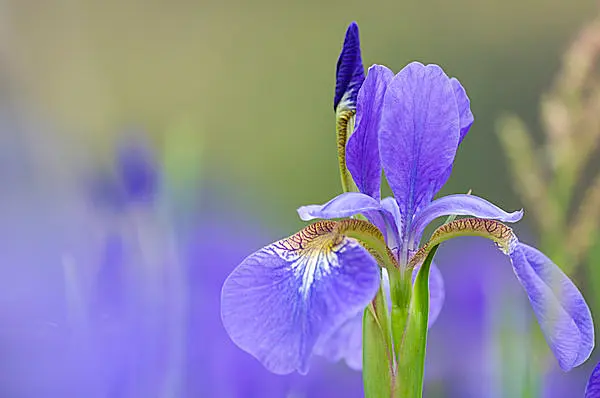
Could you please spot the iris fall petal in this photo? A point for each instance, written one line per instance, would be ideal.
(561, 310)
(282, 299)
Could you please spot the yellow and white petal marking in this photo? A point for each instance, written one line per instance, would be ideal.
(315, 250)
(311, 252)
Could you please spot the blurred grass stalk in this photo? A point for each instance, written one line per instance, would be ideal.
(550, 176)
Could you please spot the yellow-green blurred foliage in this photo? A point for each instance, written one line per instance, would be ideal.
(253, 80)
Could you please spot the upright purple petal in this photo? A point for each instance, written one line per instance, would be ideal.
(345, 343)
(282, 299)
(419, 135)
(561, 310)
(460, 205)
(592, 389)
(466, 119)
(362, 151)
(350, 72)
(464, 108)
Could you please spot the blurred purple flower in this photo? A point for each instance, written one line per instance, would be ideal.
(137, 170)
(134, 180)
(111, 304)
(465, 355)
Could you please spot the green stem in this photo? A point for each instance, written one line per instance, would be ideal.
(400, 291)
(378, 359)
(411, 353)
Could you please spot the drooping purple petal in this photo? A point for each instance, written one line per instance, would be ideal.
(437, 292)
(362, 151)
(350, 72)
(464, 108)
(561, 310)
(419, 135)
(344, 205)
(345, 343)
(592, 389)
(461, 205)
(282, 299)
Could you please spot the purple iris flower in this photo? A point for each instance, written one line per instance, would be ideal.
(304, 295)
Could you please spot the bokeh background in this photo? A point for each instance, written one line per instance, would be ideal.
(147, 147)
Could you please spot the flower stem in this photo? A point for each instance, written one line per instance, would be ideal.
(411, 353)
(378, 358)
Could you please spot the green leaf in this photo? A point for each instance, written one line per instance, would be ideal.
(411, 355)
(377, 357)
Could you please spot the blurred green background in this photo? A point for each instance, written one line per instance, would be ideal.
(253, 81)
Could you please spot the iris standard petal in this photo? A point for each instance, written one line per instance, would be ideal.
(282, 299)
(345, 343)
(419, 135)
(464, 108)
(592, 389)
(437, 292)
(461, 205)
(362, 152)
(561, 310)
(350, 73)
(466, 119)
